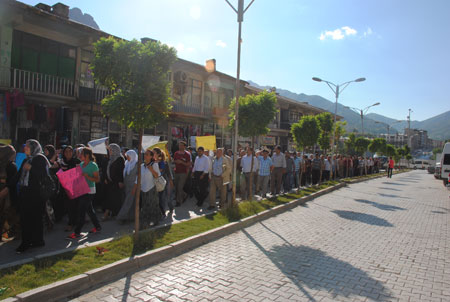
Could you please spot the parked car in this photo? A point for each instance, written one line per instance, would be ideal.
(437, 171)
(445, 163)
(431, 169)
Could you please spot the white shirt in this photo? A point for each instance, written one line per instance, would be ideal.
(246, 164)
(201, 164)
(327, 165)
(147, 179)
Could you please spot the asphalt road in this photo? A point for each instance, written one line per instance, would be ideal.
(379, 240)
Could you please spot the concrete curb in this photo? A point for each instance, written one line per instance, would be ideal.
(75, 285)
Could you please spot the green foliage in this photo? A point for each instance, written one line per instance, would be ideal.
(137, 73)
(324, 141)
(340, 129)
(361, 145)
(377, 145)
(255, 113)
(325, 120)
(306, 132)
(390, 150)
(350, 144)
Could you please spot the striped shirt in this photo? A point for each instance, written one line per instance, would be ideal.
(297, 162)
(264, 166)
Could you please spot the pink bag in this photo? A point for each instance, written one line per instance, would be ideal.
(73, 182)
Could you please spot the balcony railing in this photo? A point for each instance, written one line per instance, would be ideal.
(37, 82)
(98, 93)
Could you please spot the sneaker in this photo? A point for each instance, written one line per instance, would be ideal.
(73, 236)
(95, 230)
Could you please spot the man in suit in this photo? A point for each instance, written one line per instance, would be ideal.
(220, 177)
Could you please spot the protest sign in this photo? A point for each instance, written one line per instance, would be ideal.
(148, 141)
(20, 157)
(163, 146)
(207, 142)
(98, 146)
(73, 182)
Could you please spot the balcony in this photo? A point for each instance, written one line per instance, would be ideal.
(36, 82)
(98, 93)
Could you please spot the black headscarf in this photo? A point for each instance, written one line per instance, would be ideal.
(51, 151)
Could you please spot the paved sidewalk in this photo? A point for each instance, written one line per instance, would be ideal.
(55, 239)
(379, 240)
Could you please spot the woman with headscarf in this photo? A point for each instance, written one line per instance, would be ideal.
(150, 213)
(8, 194)
(129, 177)
(34, 169)
(114, 181)
(69, 206)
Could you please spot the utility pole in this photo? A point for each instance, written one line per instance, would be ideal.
(240, 18)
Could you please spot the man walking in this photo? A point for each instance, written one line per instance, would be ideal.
(279, 164)
(265, 168)
(221, 175)
(182, 160)
(201, 176)
(390, 167)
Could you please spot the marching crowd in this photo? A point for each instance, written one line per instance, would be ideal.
(31, 198)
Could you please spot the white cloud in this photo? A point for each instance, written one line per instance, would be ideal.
(221, 43)
(338, 34)
(181, 48)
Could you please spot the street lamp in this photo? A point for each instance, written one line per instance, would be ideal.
(337, 89)
(362, 112)
(388, 127)
(240, 11)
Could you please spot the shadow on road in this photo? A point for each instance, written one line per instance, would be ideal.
(391, 189)
(364, 218)
(312, 269)
(393, 183)
(380, 206)
(392, 196)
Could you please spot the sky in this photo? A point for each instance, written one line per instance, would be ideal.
(401, 47)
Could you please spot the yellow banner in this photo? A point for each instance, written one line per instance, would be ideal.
(207, 142)
(5, 141)
(163, 146)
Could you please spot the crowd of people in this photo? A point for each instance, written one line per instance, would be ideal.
(165, 184)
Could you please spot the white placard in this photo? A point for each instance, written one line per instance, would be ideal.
(98, 146)
(148, 141)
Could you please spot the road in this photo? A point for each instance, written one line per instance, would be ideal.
(380, 240)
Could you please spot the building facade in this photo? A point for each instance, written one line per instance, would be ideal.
(47, 90)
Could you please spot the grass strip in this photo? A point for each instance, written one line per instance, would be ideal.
(18, 279)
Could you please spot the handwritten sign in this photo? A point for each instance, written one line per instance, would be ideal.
(73, 182)
(207, 142)
(148, 141)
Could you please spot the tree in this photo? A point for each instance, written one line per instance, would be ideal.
(256, 112)
(306, 132)
(377, 145)
(137, 73)
(361, 145)
(339, 132)
(325, 120)
(350, 144)
(390, 150)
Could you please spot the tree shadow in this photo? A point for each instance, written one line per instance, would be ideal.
(148, 238)
(364, 218)
(126, 289)
(391, 189)
(393, 196)
(438, 212)
(312, 269)
(381, 206)
(393, 183)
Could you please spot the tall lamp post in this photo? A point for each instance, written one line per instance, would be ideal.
(362, 112)
(388, 127)
(337, 89)
(240, 11)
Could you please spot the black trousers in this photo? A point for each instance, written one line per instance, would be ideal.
(31, 216)
(200, 186)
(85, 207)
(315, 176)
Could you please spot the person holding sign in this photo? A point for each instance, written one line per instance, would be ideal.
(90, 172)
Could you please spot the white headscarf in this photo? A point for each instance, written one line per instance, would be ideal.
(130, 164)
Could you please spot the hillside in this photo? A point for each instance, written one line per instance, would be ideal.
(76, 14)
(438, 127)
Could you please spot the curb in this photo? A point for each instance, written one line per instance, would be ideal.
(73, 286)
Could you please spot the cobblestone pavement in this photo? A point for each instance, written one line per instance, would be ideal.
(381, 240)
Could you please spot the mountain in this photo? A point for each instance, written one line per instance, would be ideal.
(353, 119)
(438, 127)
(76, 14)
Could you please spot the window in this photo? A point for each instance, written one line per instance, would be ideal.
(446, 159)
(196, 92)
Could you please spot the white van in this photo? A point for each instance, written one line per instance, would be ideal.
(445, 163)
